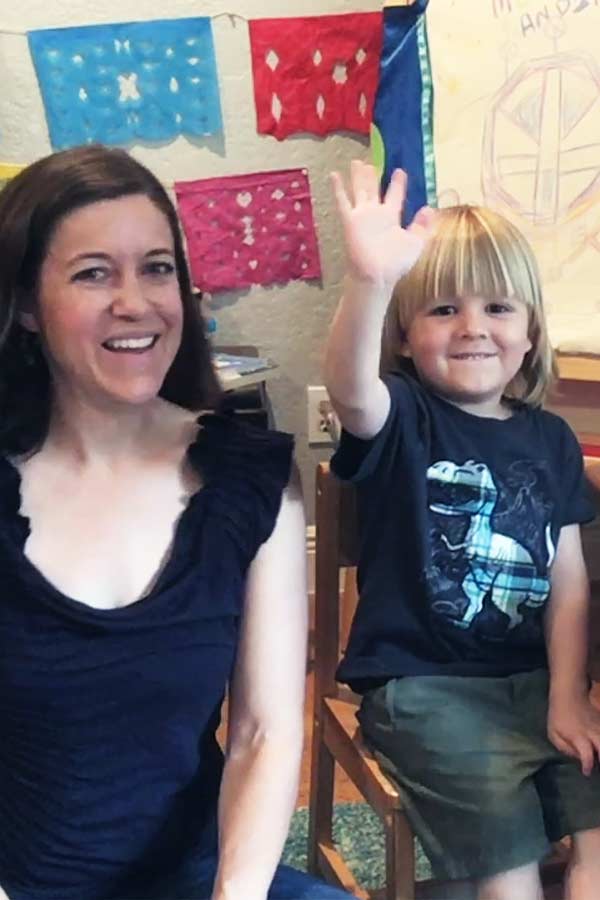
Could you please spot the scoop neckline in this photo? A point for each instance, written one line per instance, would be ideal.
(34, 574)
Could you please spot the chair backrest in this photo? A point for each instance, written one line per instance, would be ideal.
(336, 554)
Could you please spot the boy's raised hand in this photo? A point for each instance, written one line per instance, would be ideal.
(379, 250)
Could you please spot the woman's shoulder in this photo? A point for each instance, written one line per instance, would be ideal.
(246, 471)
(225, 450)
(225, 444)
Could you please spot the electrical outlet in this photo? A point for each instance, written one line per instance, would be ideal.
(323, 424)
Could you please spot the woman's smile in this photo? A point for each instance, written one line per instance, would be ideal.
(131, 344)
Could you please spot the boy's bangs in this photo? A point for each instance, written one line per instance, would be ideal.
(466, 259)
(474, 252)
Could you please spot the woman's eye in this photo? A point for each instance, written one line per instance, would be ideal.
(163, 268)
(94, 273)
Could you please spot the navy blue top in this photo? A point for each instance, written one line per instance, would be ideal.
(109, 765)
(459, 521)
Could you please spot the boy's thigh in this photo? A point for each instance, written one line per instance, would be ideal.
(570, 800)
(465, 769)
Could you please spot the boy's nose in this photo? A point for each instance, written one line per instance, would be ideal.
(472, 324)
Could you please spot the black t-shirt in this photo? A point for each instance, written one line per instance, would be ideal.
(459, 521)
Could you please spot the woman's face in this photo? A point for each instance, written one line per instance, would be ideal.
(108, 309)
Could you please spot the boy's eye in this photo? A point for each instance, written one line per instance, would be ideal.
(443, 309)
(94, 273)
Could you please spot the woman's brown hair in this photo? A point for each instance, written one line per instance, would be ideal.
(31, 206)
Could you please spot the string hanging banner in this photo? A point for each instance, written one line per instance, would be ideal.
(249, 229)
(130, 81)
(315, 73)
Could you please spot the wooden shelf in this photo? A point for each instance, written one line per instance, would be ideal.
(578, 367)
(592, 472)
(233, 381)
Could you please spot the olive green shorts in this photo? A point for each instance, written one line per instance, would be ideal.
(484, 789)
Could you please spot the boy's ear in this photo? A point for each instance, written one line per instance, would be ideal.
(404, 349)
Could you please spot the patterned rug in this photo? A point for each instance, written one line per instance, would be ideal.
(359, 834)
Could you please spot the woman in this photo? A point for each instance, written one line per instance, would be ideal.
(148, 557)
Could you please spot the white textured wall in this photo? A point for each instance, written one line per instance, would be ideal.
(287, 322)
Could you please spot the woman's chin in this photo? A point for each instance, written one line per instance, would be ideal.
(133, 395)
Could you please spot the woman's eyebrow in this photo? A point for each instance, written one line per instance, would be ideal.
(89, 254)
(101, 254)
(160, 251)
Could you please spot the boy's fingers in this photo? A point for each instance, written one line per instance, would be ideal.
(365, 184)
(371, 182)
(563, 746)
(585, 752)
(595, 739)
(341, 197)
(396, 192)
(426, 217)
(424, 223)
(356, 179)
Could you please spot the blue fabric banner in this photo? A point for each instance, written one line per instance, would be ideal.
(128, 82)
(403, 104)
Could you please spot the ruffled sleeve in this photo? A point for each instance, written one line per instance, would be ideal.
(12, 522)
(245, 471)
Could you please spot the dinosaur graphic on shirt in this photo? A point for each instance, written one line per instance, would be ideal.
(498, 566)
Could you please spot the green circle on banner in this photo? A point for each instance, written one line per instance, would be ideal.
(377, 150)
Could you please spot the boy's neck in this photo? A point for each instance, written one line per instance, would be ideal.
(486, 409)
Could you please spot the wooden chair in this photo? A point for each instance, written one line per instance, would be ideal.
(336, 735)
(591, 549)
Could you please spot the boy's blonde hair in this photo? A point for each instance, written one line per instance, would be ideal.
(475, 252)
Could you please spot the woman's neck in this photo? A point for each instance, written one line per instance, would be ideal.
(93, 433)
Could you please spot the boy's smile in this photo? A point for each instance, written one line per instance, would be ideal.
(473, 355)
(469, 349)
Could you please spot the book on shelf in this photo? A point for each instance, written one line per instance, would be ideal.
(232, 368)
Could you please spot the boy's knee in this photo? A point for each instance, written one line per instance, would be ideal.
(586, 844)
(583, 874)
(522, 883)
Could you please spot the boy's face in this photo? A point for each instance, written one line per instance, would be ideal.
(468, 349)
